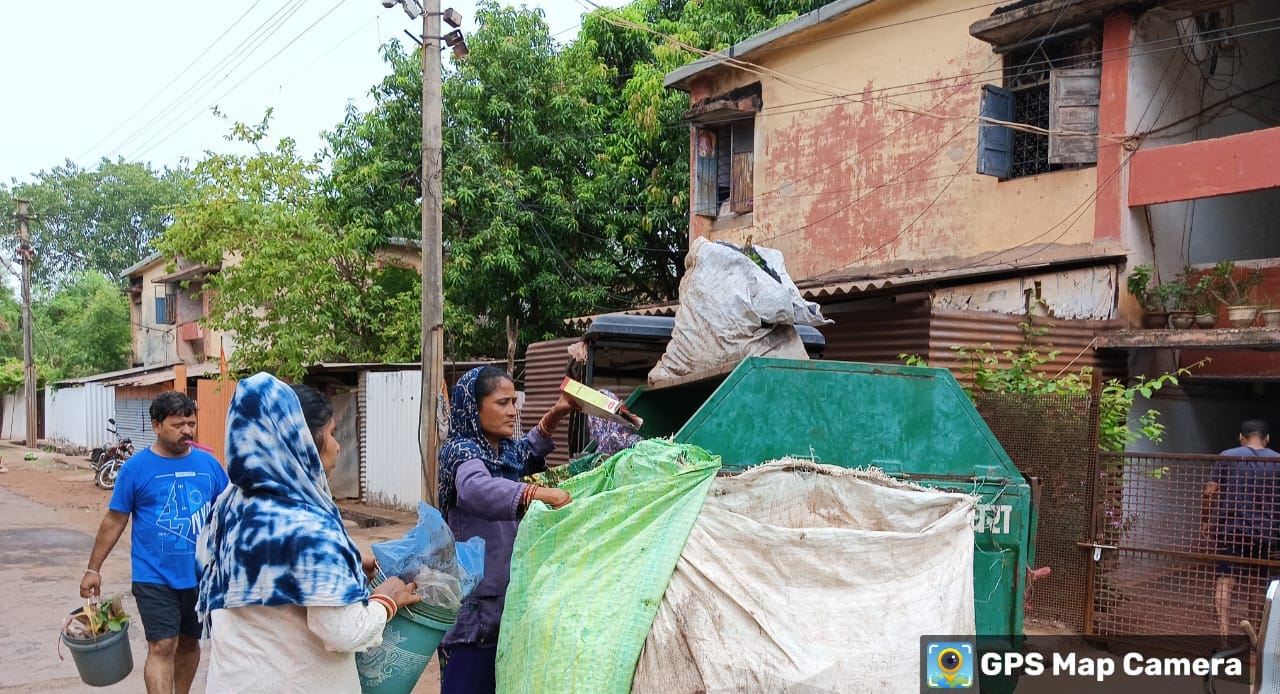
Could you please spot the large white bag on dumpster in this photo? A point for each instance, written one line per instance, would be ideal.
(731, 308)
(804, 578)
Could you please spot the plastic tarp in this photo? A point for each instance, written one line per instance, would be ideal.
(586, 579)
(812, 578)
(732, 308)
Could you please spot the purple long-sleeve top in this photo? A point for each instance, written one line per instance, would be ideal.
(489, 506)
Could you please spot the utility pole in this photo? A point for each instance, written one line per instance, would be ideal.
(28, 355)
(432, 250)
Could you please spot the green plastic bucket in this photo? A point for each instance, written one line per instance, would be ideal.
(102, 661)
(408, 642)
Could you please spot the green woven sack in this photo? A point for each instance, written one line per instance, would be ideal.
(586, 580)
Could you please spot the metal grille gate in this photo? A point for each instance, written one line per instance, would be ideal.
(1155, 564)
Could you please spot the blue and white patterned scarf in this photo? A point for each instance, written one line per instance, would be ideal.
(275, 536)
(467, 442)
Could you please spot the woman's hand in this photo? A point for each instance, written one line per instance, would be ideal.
(399, 591)
(370, 567)
(555, 498)
(563, 407)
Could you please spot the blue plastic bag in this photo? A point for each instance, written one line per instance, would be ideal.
(445, 570)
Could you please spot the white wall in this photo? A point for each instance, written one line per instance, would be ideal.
(78, 415)
(392, 462)
(13, 417)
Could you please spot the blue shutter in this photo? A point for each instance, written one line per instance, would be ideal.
(995, 142)
(162, 310)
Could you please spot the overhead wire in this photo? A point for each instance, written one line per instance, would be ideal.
(259, 33)
(170, 83)
(249, 76)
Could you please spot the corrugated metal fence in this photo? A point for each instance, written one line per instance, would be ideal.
(78, 415)
(392, 461)
(13, 420)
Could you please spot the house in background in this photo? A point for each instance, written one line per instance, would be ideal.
(935, 172)
(165, 311)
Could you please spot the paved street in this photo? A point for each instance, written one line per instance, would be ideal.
(49, 512)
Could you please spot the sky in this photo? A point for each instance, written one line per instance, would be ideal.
(86, 79)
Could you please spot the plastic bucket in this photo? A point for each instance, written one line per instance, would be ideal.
(102, 661)
(408, 642)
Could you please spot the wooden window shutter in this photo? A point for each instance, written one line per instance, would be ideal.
(704, 184)
(995, 142)
(741, 184)
(1073, 107)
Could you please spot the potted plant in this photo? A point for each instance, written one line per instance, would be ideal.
(1237, 288)
(1177, 298)
(1201, 300)
(1151, 295)
(1270, 315)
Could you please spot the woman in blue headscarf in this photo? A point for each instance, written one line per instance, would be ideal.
(282, 587)
(480, 465)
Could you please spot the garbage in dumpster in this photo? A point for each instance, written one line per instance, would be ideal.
(734, 303)
(446, 571)
(586, 579)
(805, 577)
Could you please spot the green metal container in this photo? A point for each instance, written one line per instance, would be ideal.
(915, 423)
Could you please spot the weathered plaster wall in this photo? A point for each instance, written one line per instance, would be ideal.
(153, 344)
(868, 183)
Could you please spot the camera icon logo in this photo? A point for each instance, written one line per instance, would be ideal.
(948, 665)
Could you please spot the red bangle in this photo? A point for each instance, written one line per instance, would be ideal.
(387, 603)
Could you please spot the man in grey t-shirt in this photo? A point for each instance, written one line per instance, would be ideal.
(1240, 511)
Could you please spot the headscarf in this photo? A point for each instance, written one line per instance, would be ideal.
(275, 536)
(467, 442)
(610, 436)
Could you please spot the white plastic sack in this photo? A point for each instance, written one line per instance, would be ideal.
(805, 578)
(731, 309)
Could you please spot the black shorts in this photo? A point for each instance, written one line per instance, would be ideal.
(1247, 550)
(166, 612)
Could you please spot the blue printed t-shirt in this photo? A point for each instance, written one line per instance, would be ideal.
(1248, 493)
(168, 499)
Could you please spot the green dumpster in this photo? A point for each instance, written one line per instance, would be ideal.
(915, 423)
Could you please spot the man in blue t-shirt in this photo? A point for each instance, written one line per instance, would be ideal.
(1240, 511)
(166, 489)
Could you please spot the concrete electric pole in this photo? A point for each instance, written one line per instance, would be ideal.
(432, 250)
(28, 354)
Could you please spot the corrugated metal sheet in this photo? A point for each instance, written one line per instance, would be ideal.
(344, 481)
(392, 461)
(133, 420)
(361, 418)
(213, 401)
(878, 336)
(1072, 339)
(78, 415)
(544, 368)
(13, 421)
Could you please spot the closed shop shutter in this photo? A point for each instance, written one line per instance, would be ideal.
(133, 420)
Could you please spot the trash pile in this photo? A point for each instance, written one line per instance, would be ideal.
(445, 571)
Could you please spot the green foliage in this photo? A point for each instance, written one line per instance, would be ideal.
(81, 327)
(1234, 286)
(566, 167)
(1022, 371)
(295, 288)
(103, 219)
(1157, 297)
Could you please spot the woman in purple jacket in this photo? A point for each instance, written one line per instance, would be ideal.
(480, 465)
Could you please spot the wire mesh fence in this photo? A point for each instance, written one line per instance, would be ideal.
(1054, 439)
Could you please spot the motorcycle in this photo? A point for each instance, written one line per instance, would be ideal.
(108, 461)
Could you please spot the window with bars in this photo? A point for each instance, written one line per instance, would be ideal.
(724, 152)
(1052, 86)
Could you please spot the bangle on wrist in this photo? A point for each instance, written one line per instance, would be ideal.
(92, 571)
(387, 603)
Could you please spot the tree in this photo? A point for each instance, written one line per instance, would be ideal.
(103, 219)
(81, 328)
(565, 167)
(294, 287)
